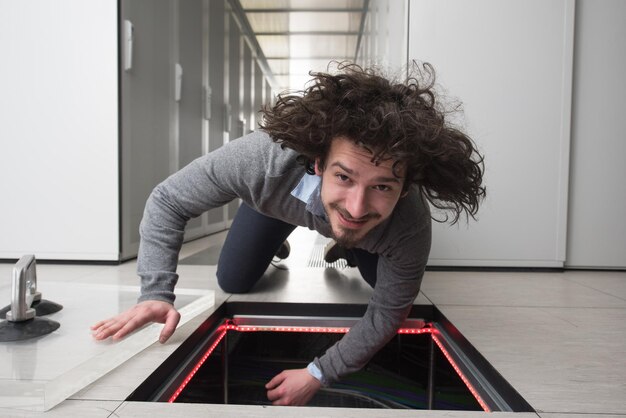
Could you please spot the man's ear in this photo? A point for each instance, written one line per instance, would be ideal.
(318, 170)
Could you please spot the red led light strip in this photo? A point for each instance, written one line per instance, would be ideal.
(198, 365)
(458, 371)
(249, 328)
(325, 330)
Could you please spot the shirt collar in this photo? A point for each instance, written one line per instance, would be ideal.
(308, 191)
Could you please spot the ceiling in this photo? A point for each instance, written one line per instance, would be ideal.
(298, 36)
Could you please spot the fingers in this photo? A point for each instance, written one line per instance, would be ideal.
(98, 324)
(276, 381)
(128, 325)
(110, 327)
(104, 329)
(274, 392)
(292, 387)
(123, 324)
(171, 320)
(119, 325)
(274, 395)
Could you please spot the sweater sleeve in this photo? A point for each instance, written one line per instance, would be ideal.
(235, 170)
(398, 283)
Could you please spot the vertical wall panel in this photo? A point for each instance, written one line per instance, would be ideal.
(190, 107)
(59, 130)
(258, 96)
(235, 94)
(510, 63)
(385, 36)
(248, 85)
(217, 76)
(234, 79)
(269, 95)
(191, 59)
(597, 225)
(147, 100)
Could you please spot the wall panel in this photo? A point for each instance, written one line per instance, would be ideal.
(510, 63)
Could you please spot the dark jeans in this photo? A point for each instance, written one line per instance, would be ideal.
(251, 244)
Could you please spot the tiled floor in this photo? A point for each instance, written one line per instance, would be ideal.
(558, 338)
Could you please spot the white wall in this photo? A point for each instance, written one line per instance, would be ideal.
(597, 216)
(59, 129)
(385, 36)
(510, 63)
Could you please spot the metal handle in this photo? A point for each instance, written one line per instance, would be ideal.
(24, 290)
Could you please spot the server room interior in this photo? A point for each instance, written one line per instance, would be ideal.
(553, 333)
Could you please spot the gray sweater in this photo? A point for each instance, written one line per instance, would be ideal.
(263, 175)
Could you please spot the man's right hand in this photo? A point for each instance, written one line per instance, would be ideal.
(136, 317)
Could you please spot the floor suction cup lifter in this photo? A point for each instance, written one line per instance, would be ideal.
(22, 321)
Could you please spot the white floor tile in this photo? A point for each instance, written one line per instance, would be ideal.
(558, 359)
(142, 410)
(609, 282)
(552, 415)
(78, 409)
(513, 289)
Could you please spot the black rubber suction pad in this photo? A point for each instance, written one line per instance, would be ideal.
(46, 307)
(42, 307)
(32, 328)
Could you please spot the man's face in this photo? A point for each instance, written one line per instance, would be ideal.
(356, 193)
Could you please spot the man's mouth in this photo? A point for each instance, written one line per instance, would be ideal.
(348, 221)
(352, 223)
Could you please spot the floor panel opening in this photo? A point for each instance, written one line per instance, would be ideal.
(422, 367)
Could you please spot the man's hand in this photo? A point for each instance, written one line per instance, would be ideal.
(136, 317)
(292, 387)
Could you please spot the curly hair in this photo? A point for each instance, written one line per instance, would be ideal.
(403, 121)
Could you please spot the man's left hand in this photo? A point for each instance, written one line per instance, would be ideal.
(292, 387)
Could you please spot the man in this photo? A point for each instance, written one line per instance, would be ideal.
(355, 157)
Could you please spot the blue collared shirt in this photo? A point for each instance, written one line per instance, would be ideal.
(308, 191)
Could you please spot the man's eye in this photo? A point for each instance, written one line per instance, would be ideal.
(382, 188)
(342, 177)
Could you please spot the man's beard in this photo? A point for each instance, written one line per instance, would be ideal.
(349, 237)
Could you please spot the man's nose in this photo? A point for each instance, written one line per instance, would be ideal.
(356, 202)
